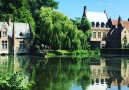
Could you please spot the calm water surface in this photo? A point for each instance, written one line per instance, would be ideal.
(70, 73)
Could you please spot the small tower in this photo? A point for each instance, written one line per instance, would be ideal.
(119, 19)
(119, 22)
(84, 12)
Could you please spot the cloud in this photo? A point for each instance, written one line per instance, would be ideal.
(99, 3)
(106, 4)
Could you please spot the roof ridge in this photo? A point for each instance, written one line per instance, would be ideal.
(96, 12)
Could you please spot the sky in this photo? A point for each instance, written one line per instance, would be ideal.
(114, 8)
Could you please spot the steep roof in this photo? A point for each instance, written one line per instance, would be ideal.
(124, 23)
(21, 29)
(116, 31)
(114, 22)
(97, 17)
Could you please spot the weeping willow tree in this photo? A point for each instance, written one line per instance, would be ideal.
(59, 32)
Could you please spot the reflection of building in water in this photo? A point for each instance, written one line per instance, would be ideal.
(98, 69)
(114, 70)
(3, 64)
(98, 74)
(8, 62)
(125, 71)
(11, 64)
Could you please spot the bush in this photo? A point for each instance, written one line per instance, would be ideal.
(37, 47)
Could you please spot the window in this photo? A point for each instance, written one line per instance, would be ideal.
(93, 24)
(4, 44)
(104, 34)
(102, 24)
(94, 34)
(21, 34)
(99, 34)
(4, 33)
(22, 45)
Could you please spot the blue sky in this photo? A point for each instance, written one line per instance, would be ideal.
(114, 8)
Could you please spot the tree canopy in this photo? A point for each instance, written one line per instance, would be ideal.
(84, 25)
(24, 10)
(18, 10)
(59, 32)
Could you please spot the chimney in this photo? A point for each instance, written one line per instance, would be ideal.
(84, 11)
(105, 11)
(13, 38)
(9, 21)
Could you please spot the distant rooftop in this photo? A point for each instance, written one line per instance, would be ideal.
(22, 30)
(97, 17)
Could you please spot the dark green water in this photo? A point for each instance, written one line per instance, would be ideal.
(69, 73)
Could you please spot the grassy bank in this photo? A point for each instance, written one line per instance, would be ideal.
(86, 53)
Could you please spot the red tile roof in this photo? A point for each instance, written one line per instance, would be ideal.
(124, 23)
(114, 22)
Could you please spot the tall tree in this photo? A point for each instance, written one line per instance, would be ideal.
(18, 10)
(83, 24)
(35, 5)
(58, 31)
(86, 26)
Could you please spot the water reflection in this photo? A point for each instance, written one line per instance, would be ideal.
(110, 73)
(49, 73)
(69, 73)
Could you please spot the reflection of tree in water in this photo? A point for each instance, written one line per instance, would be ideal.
(61, 74)
(12, 73)
(50, 74)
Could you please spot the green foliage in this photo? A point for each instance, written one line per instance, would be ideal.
(84, 25)
(35, 5)
(60, 32)
(37, 47)
(12, 82)
(18, 10)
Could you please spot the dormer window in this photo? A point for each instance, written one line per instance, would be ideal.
(97, 24)
(93, 24)
(4, 33)
(102, 24)
(21, 34)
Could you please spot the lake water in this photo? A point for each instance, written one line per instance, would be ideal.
(70, 73)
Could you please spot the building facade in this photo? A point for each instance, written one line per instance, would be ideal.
(118, 36)
(100, 28)
(15, 38)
